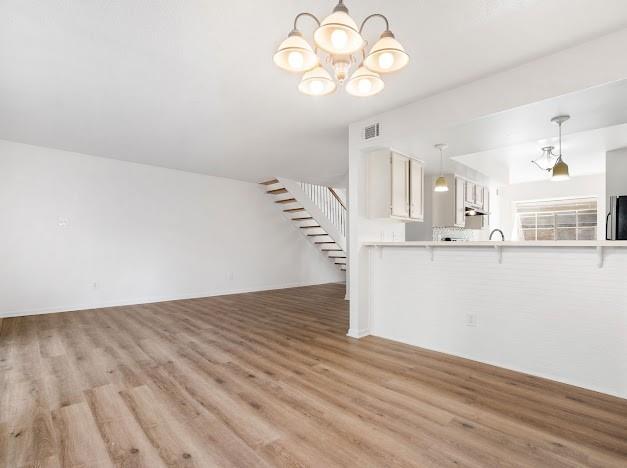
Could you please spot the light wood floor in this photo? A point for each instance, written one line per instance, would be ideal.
(269, 379)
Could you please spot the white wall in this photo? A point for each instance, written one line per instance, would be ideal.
(545, 311)
(82, 232)
(575, 187)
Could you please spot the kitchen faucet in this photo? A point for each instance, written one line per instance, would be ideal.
(499, 231)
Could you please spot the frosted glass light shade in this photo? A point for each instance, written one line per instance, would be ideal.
(317, 82)
(387, 55)
(560, 171)
(338, 34)
(364, 83)
(295, 54)
(441, 185)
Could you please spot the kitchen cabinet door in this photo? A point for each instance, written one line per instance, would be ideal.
(479, 196)
(460, 196)
(416, 190)
(470, 193)
(486, 207)
(400, 185)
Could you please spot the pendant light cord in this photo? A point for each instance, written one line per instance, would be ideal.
(560, 132)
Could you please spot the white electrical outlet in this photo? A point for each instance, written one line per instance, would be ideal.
(471, 320)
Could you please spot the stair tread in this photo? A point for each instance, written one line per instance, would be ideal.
(309, 227)
(316, 235)
(325, 242)
(286, 200)
(293, 209)
(269, 182)
(330, 250)
(302, 219)
(276, 191)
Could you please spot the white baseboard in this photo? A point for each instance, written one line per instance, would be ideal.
(508, 367)
(152, 299)
(353, 333)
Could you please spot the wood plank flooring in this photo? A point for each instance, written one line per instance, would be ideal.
(270, 379)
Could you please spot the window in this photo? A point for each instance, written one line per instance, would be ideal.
(574, 219)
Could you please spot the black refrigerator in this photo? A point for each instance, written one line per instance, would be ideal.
(616, 223)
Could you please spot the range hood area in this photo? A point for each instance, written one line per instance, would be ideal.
(472, 211)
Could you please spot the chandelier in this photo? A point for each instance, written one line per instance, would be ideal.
(338, 40)
(552, 162)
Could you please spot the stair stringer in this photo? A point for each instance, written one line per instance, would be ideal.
(325, 223)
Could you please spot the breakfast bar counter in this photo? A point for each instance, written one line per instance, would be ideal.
(552, 309)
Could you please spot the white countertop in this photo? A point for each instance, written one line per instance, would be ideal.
(602, 243)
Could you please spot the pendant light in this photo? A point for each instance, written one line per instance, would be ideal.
(441, 184)
(560, 170)
(551, 162)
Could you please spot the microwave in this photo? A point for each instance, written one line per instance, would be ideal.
(616, 221)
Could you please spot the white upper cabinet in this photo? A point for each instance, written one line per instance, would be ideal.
(459, 207)
(479, 195)
(400, 185)
(416, 190)
(470, 193)
(395, 186)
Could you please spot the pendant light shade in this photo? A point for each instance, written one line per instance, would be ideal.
(338, 33)
(364, 83)
(560, 171)
(441, 185)
(317, 82)
(295, 54)
(387, 55)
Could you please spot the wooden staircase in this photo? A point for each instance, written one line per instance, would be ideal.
(306, 223)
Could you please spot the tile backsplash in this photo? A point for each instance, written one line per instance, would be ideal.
(439, 233)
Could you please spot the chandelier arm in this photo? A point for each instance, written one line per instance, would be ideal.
(311, 15)
(375, 15)
(542, 168)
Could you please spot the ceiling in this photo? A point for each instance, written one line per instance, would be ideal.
(191, 84)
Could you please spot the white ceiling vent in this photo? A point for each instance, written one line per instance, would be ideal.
(372, 131)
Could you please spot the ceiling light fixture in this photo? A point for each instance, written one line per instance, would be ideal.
(552, 162)
(441, 185)
(339, 38)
